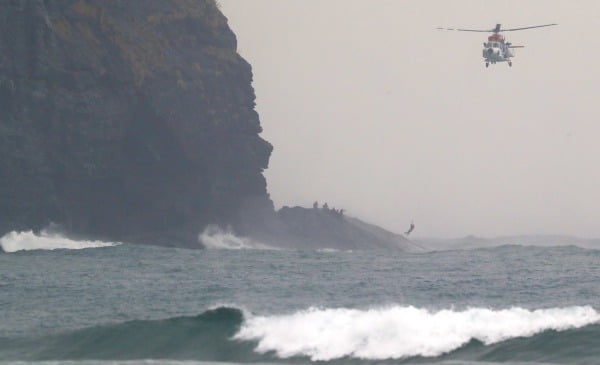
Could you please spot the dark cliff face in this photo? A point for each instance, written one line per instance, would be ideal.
(128, 120)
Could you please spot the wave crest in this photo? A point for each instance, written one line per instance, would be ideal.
(231, 334)
(400, 332)
(27, 241)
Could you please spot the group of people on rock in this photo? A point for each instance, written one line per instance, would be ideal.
(332, 211)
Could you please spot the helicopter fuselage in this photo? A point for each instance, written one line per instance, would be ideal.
(497, 50)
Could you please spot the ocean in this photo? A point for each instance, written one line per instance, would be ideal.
(85, 302)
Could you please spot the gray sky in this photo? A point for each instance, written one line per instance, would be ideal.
(373, 110)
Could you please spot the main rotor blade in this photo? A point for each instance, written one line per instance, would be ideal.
(534, 26)
(475, 30)
(467, 30)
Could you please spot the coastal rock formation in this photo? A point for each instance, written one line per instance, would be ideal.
(125, 120)
(134, 121)
(320, 228)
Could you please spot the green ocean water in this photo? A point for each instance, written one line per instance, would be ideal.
(131, 304)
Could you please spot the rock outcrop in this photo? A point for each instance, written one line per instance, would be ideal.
(125, 120)
(319, 228)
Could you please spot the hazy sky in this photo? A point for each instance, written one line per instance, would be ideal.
(372, 109)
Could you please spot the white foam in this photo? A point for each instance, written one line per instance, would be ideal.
(328, 250)
(27, 241)
(215, 238)
(400, 332)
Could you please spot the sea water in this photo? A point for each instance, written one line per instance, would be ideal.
(73, 302)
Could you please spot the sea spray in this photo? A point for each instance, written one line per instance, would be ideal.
(213, 237)
(400, 332)
(28, 240)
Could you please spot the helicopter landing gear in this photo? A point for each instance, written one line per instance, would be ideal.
(487, 64)
(509, 63)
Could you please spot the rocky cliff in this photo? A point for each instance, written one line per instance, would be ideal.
(134, 121)
(125, 120)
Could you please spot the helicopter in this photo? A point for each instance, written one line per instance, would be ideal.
(497, 49)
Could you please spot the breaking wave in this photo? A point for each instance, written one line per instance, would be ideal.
(27, 241)
(401, 332)
(213, 237)
(225, 334)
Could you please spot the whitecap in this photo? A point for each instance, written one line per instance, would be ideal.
(400, 331)
(28, 240)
